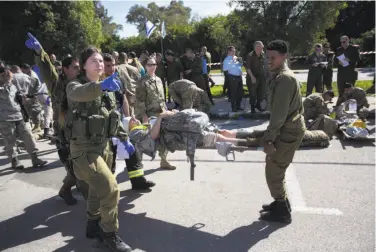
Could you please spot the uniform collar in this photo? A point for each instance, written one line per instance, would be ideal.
(276, 72)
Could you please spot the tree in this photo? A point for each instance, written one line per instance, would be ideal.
(61, 27)
(301, 23)
(354, 20)
(174, 14)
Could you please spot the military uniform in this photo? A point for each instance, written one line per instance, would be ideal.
(12, 123)
(360, 96)
(348, 73)
(150, 102)
(188, 95)
(314, 105)
(56, 85)
(285, 130)
(91, 121)
(161, 73)
(206, 70)
(30, 86)
(195, 65)
(173, 70)
(315, 73)
(327, 76)
(257, 91)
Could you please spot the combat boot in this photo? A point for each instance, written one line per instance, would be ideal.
(279, 213)
(66, 194)
(141, 183)
(253, 109)
(166, 165)
(93, 230)
(269, 207)
(37, 162)
(46, 133)
(16, 164)
(114, 242)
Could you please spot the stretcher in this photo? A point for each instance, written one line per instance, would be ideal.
(231, 151)
(346, 136)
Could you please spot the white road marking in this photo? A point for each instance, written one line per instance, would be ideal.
(297, 201)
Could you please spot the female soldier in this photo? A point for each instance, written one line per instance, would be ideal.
(91, 121)
(150, 101)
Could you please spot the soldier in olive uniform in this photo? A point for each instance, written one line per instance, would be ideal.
(91, 122)
(132, 71)
(188, 95)
(315, 70)
(357, 94)
(327, 75)
(174, 69)
(150, 102)
(352, 58)
(56, 85)
(161, 72)
(316, 104)
(256, 76)
(193, 71)
(11, 119)
(284, 132)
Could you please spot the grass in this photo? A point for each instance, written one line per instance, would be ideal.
(218, 71)
(217, 90)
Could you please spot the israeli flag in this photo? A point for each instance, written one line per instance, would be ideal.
(163, 30)
(150, 27)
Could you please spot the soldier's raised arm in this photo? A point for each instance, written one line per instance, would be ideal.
(83, 92)
(47, 69)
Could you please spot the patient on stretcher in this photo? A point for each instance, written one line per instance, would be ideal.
(146, 137)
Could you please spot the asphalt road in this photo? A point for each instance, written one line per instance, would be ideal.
(363, 74)
(332, 193)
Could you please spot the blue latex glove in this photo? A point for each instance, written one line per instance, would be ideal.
(48, 101)
(36, 69)
(129, 147)
(33, 43)
(111, 83)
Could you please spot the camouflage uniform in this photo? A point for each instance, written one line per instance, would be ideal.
(149, 97)
(12, 123)
(186, 93)
(128, 84)
(161, 73)
(314, 105)
(30, 86)
(285, 130)
(327, 76)
(360, 96)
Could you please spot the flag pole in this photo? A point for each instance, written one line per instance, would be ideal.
(162, 28)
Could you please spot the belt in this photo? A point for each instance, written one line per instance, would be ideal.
(235, 76)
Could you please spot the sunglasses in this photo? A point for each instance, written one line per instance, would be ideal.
(151, 64)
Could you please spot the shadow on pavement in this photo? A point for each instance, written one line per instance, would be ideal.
(51, 217)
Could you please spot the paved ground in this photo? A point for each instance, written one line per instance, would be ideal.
(302, 75)
(332, 192)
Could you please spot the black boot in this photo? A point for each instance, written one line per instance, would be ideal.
(258, 106)
(16, 164)
(269, 207)
(36, 161)
(141, 183)
(253, 110)
(46, 134)
(66, 194)
(93, 230)
(280, 213)
(114, 242)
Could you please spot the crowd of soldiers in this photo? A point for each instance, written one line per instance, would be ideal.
(103, 96)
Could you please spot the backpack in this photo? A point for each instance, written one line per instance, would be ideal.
(183, 130)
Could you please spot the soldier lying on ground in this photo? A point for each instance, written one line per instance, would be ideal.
(147, 136)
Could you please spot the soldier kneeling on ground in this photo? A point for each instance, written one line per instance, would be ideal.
(11, 121)
(357, 94)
